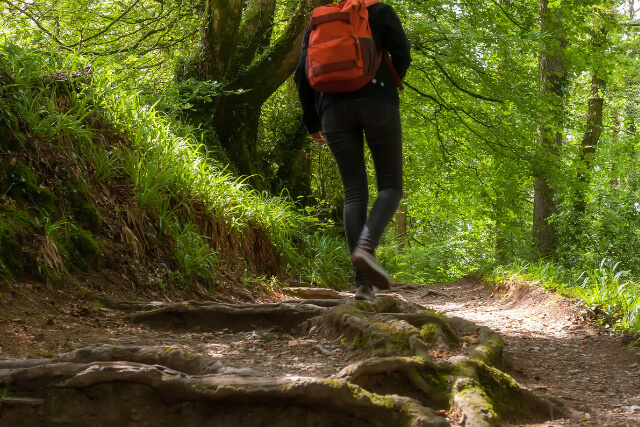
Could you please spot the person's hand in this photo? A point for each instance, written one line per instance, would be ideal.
(317, 137)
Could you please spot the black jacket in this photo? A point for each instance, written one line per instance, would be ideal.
(387, 33)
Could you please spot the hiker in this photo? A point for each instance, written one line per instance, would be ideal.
(342, 119)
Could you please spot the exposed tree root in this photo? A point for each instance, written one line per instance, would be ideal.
(399, 380)
(315, 293)
(214, 316)
(172, 358)
(84, 394)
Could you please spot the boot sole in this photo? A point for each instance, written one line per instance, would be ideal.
(370, 267)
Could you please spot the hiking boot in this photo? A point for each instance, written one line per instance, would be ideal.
(367, 263)
(364, 292)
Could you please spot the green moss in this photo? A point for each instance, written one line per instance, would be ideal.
(364, 306)
(45, 355)
(21, 183)
(399, 342)
(490, 350)
(503, 393)
(387, 305)
(17, 252)
(357, 342)
(384, 401)
(428, 331)
(439, 381)
(89, 216)
(8, 125)
(82, 249)
(475, 395)
(439, 333)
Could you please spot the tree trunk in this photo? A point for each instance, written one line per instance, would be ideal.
(552, 85)
(401, 222)
(595, 107)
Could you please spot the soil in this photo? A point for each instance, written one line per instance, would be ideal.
(548, 346)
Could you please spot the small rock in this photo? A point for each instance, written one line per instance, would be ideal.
(269, 336)
(635, 408)
(241, 372)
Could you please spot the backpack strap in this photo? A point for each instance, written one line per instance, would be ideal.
(396, 76)
(385, 53)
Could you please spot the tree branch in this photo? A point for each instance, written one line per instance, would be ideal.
(426, 95)
(258, 22)
(507, 15)
(278, 62)
(460, 88)
(111, 24)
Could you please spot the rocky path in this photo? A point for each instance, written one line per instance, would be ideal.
(549, 349)
(314, 357)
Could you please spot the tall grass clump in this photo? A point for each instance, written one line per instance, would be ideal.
(167, 163)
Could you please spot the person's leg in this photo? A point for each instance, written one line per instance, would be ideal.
(345, 139)
(384, 137)
(381, 123)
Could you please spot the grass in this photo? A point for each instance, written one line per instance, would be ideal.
(176, 183)
(610, 295)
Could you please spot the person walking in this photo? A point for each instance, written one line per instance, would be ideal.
(343, 121)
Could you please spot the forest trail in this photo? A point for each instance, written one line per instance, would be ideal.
(549, 348)
(240, 339)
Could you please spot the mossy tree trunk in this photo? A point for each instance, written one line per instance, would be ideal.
(237, 49)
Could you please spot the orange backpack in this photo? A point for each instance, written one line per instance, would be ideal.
(341, 56)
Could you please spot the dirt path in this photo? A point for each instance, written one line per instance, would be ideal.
(547, 346)
(549, 349)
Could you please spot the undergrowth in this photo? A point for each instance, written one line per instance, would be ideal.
(100, 134)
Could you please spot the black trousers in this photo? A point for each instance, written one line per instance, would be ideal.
(345, 126)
